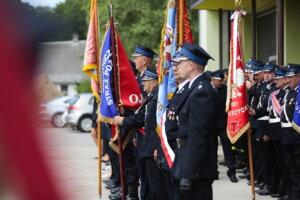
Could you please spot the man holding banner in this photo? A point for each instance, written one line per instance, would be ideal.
(148, 142)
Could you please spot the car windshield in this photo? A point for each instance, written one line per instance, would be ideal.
(74, 100)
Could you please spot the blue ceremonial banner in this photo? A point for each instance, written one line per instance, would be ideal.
(167, 83)
(108, 109)
(296, 117)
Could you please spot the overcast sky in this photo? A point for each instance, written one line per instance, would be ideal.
(50, 3)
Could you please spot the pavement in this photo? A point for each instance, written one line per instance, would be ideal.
(71, 155)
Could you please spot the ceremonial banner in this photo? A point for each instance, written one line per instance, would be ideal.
(91, 55)
(236, 105)
(108, 108)
(166, 80)
(187, 31)
(130, 94)
(296, 117)
(128, 88)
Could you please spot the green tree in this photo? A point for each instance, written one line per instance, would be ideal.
(71, 18)
(84, 86)
(139, 21)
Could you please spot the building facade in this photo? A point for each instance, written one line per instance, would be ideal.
(271, 30)
(62, 63)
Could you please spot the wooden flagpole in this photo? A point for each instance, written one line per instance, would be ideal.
(117, 97)
(181, 17)
(238, 7)
(99, 158)
(94, 5)
(251, 163)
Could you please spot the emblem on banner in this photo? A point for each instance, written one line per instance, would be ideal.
(234, 126)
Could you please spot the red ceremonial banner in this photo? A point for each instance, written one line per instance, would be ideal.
(236, 105)
(187, 31)
(91, 55)
(130, 92)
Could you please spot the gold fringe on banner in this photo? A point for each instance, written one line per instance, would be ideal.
(114, 146)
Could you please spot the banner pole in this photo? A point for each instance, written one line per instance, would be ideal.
(251, 163)
(99, 159)
(117, 98)
(181, 17)
(95, 6)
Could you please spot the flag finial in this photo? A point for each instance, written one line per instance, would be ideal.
(238, 4)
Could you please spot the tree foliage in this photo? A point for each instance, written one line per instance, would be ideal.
(84, 86)
(139, 21)
(72, 17)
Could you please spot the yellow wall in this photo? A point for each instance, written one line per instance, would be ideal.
(247, 37)
(292, 32)
(209, 37)
(291, 35)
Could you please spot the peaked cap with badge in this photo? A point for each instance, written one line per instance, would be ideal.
(270, 67)
(149, 74)
(195, 153)
(280, 73)
(255, 66)
(292, 69)
(219, 75)
(192, 52)
(141, 50)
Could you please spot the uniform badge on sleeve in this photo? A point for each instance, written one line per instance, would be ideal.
(200, 86)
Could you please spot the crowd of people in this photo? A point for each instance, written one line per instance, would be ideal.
(195, 118)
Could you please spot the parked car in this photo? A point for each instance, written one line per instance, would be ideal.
(52, 111)
(80, 111)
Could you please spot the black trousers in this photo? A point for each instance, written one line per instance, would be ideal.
(144, 190)
(258, 160)
(268, 164)
(229, 154)
(156, 181)
(242, 149)
(130, 169)
(277, 163)
(129, 164)
(201, 190)
(285, 181)
(293, 158)
(171, 185)
(115, 166)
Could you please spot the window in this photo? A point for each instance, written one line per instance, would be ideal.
(64, 89)
(266, 37)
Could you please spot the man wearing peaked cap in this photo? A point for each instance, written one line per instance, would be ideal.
(263, 133)
(221, 94)
(281, 179)
(290, 137)
(171, 128)
(195, 164)
(153, 153)
(148, 142)
(143, 57)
